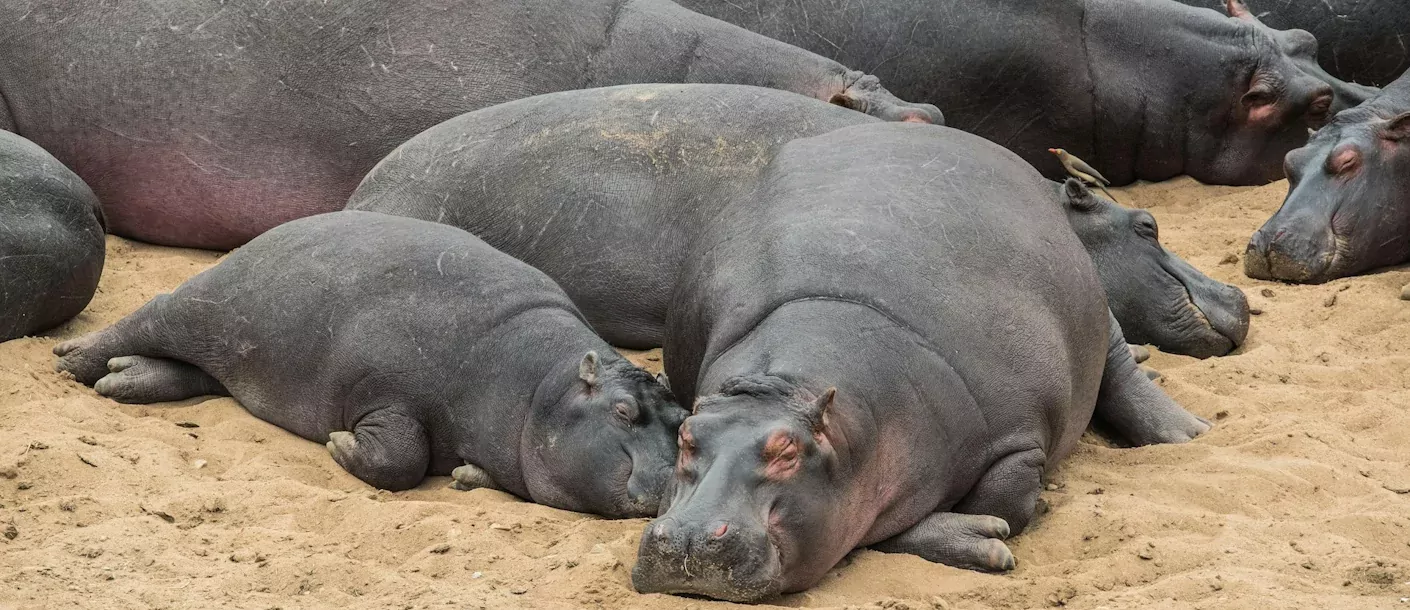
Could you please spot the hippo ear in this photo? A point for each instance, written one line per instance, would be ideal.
(822, 408)
(1239, 10)
(1077, 196)
(588, 369)
(1398, 128)
(665, 381)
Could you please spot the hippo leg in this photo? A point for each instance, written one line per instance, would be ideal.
(387, 450)
(974, 542)
(1134, 408)
(470, 476)
(1002, 502)
(144, 380)
(86, 357)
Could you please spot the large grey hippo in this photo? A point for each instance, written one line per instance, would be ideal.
(1361, 41)
(605, 190)
(203, 123)
(1348, 204)
(410, 348)
(51, 240)
(1141, 89)
(892, 336)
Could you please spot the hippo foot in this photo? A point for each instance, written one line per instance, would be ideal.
(388, 450)
(1151, 373)
(143, 380)
(1139, 353)
(84, 358)
(973, 542)
(470, 476)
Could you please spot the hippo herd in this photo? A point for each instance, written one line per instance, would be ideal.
(882, 324)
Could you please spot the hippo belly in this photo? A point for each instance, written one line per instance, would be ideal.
(204, 125)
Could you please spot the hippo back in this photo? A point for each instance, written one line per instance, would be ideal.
(602, 189)
(51, 239)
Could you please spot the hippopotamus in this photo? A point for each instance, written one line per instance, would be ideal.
(604, 189)
(892, 337)
(1348, 205)
(410, 348)
(51, 240)
(1360, 41)
(203, 124)
(1141, 89)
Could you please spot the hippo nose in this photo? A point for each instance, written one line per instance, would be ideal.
(1299, 254)
(715, 557)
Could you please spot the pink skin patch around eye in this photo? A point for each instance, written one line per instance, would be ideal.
(1344, 161)
(781, 456)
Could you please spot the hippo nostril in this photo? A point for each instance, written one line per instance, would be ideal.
(722, 529)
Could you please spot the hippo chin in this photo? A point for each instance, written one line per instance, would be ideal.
(1348, 205)
(641, 170)
(893, 336)
(1156, 296)
(409, 348)
(51, 239)
(1142, 89)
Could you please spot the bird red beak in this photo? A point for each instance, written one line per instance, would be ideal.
(1053, 150)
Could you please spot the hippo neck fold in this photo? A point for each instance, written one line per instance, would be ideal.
(7, 117)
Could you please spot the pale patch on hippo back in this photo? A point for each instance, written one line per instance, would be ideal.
(720, 154)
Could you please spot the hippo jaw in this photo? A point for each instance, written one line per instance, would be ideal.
(1215, 315)
(668, 562)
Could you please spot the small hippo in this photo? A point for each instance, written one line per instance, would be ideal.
(1348, 204)
(893, 336)
(1358, 41)
(1141, 89)
(410, 348)
(203, 124)
(51, 240)
(604, 189)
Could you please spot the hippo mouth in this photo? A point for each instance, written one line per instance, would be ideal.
(1270, 264)
(690, 572)
(1214, 327)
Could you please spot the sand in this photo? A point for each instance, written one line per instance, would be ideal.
(1299, 497)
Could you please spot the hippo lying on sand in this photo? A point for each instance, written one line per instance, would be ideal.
(893, 336)
(205, 123)
(410, 348)
(1348, 204)
(51, 240)
(1358, 40)
(605, 189)
(1141, 89)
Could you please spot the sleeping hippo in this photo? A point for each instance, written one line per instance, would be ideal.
(892, 337)
(1360, 41)
(203, 124)
(51, 240)
(410, 348)
(603, 190)
(1143, 89)
(1348, 204)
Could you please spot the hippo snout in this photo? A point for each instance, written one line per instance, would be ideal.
(1291, 255)
(715, 558)
(1226, 309)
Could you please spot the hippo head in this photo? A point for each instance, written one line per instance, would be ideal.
(1265, 107)
(756, 507)
(1300, 46)
(1348, 204)
(1156, 297)
(607, 445)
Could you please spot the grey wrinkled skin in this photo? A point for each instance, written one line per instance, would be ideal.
(1348, 205)
(202, 123)
(1140, 89)
(1359, 41)
(51, 239)
(605, 189)
(893, 335)
(410, 348)
(1156, 296)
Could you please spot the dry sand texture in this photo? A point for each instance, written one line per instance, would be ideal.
(1297, 498)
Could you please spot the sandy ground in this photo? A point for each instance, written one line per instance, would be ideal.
(1297, 498)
